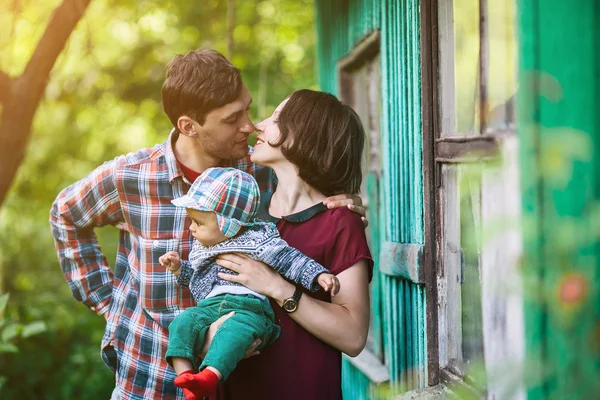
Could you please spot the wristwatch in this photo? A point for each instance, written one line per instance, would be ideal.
(291, 303)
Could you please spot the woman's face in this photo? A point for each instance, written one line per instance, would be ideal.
(264, 153)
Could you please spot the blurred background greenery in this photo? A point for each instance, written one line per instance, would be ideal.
(102, 100)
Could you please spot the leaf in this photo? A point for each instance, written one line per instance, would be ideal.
(3, 380)
(3, 301)
(10, 332)
(34, 328)
(8, 348)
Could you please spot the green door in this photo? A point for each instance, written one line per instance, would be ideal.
(560, 159)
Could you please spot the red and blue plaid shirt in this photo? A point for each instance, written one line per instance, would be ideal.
(140, 299)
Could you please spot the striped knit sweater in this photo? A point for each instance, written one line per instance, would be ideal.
(260, 242)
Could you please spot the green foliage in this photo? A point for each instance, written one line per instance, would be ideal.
(11, 332)
(102, 100)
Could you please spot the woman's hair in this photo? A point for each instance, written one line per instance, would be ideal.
(324, 138)
(199, 82)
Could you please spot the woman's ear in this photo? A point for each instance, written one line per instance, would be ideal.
(187, 126)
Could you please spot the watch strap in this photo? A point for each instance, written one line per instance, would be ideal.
(297, 294)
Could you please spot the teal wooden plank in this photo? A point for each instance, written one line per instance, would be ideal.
(403, 349)
(402, 260)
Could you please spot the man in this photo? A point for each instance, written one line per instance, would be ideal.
(207, 102)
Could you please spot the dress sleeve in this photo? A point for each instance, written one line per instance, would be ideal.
(348, 243)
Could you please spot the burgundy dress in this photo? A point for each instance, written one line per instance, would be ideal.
(298, 366)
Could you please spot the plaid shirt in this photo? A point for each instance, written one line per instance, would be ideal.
(133, 193)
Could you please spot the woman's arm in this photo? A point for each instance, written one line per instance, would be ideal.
(343, 324)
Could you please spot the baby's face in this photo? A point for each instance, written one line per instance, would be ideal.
(204, 227)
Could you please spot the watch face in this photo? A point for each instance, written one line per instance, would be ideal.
(290, 305)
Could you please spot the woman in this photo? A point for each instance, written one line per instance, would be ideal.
(314, 144)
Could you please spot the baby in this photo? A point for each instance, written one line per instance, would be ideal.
(222, 204)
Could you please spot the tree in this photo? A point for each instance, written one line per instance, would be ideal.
(20, 96)
(103, 99)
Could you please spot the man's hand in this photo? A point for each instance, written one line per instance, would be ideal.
(212, 330)
(329, 282)
(352, 201)
(171, 261)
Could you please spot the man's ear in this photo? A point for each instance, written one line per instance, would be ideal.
(187, 126)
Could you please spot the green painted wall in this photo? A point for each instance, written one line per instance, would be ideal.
(398, 305)
(559, 133)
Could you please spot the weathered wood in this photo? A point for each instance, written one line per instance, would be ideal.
(466, 149)
(402, 260)
(429, 112)
(437, 392)
(447, 204)
(368, 363)
(449, 272)
(362, 53)
(501, 283)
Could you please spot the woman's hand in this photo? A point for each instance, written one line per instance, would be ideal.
(255, 275)
(212, 330)
(352, 201)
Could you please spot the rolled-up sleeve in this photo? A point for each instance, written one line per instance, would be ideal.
(87, 204)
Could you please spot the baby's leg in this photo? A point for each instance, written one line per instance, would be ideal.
(181, 365)
(186, 334)
(229, 346)
(186, 338)
(232, 340)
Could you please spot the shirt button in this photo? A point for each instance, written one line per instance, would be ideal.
(155, 243)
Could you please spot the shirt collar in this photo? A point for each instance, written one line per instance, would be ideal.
(300, 216)
(173, 167)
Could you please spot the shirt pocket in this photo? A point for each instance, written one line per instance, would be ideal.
(156, 285)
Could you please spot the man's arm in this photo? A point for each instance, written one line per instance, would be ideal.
(89, 203)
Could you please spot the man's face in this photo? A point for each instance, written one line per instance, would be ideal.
(224, 134)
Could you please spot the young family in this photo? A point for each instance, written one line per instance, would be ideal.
(241, 273)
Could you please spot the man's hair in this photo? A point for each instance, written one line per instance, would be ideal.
(324, 138)
(199, 82)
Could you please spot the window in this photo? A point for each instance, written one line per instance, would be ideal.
(360, 87)
(476, 182)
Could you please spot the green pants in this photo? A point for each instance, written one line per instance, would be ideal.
(254, 318)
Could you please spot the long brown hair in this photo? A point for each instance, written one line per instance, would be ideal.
(324, 138)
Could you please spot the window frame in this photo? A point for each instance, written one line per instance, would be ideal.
(364, 53)
(452, 149)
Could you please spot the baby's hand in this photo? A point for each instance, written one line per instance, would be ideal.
(171, 261)
(329, 282)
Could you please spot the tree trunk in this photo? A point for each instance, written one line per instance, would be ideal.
(20, 96)
(230, 27)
